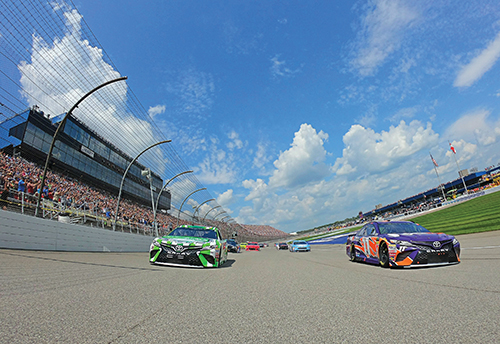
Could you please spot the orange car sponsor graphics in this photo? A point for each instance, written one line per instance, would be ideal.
(393, 253)
(405, 262)
(369, 245)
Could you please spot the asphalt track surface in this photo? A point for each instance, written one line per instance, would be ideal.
(257, 297)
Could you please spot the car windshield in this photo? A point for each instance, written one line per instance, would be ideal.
(401, 227)
(300, 243)
(194, 232)
(232, 242)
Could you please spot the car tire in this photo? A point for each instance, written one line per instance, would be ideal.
(220, 258)
(383, 255)
(352, 254)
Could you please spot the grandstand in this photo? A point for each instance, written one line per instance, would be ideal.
(82, 154)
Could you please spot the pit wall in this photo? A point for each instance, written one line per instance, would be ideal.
(19, 231)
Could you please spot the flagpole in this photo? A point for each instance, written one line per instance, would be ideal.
(439, 179)
(440, 185)
(456, 162)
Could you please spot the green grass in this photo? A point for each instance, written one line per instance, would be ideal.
(481, 214)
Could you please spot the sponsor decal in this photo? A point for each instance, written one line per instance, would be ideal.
(87, 151)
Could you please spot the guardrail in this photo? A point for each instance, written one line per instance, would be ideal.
(25, 204)
(88, 215)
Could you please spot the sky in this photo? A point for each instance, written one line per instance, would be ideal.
(296, 114)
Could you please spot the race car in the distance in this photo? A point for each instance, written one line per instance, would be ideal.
(282, 246)
(401, 244)
(193, 246)
(253, 246)
(233, 246)
(299, 246)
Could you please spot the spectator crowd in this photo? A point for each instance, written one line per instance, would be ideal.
(21, 180)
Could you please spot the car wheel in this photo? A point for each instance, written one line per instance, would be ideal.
(383, 256)
(220, 258)
(352, 254)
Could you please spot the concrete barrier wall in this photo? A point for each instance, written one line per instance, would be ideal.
(26, 232)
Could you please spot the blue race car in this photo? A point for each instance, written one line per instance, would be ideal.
(401, 244)
(299, 246)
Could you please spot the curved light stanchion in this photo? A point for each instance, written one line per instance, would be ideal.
(63, 121)
(179, 216)
(158, 198)
(208, 212)
(125, 175)
(198, 207)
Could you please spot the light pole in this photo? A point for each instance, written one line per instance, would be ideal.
(147, 174)
(179, 216)
(159, 194)
(63, 121)
(125, 174)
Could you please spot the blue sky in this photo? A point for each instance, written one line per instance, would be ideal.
(297, 113)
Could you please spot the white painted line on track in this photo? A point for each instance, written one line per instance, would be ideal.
(479, 248)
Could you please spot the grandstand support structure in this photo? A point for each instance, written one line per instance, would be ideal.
(125, 174)
(61, 124)
(204, 217)
(159, 194)
(185, 199)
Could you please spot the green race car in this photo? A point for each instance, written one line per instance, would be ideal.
(193, 246)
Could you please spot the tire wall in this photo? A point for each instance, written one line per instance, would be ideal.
(19, 231)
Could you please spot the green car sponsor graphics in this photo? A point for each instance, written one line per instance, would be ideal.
(193, 246)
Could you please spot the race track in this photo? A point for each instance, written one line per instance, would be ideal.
(257, 297)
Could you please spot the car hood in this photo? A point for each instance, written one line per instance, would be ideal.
(187, 241)
(413, 237)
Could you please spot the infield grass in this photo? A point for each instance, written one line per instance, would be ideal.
(480, 214)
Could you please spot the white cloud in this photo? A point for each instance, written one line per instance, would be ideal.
(279, 69)
(303, 162)
(156, 110)
(476, 126)
(406, 113)
(383, 30)
(258, 189)
(43, 85)
(479, 65)
(225, 198)
(217, 166)
(367, 151)
(235, 141)
(194, 90)
(214, 169)
(402, 151)
(261, 157)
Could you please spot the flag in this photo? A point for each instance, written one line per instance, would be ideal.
(434, 161)
(452, 148)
